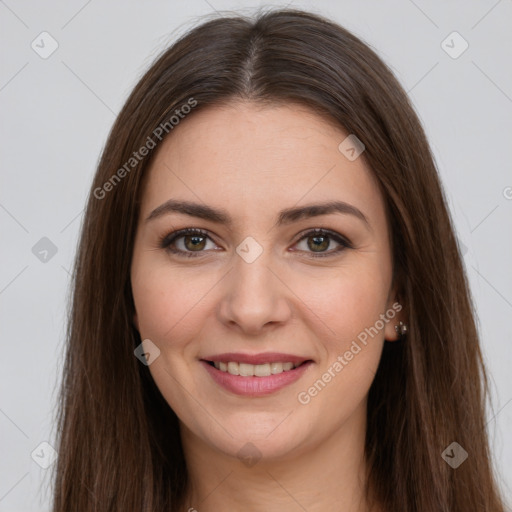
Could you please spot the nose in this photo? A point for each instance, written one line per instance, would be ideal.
(255, 297)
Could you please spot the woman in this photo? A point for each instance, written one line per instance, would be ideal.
(270, 310)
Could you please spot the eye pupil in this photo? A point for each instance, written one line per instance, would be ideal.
(196, 241)
(319, 245)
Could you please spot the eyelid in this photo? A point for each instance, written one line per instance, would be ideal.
(166, 241)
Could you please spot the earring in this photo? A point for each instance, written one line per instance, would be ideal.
(401, 329)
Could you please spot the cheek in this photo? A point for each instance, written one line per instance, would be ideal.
(168, 302)
(351, 307)
(347, 301)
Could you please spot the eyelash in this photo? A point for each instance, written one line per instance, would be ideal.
(167, 240)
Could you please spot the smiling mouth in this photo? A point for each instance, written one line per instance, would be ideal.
(254, 370)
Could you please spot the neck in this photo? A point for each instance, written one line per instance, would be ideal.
(327, 477)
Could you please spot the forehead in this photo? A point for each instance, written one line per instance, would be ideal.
(254, 159)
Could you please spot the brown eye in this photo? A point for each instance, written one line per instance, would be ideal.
(319, 240)
(186, 242)
(194, 242)
(318, 243)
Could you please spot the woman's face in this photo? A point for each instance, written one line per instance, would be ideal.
(257, 289)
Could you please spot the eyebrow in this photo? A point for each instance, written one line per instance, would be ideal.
(286, 216)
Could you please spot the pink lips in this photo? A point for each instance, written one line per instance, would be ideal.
(265, 357)
(256, 386)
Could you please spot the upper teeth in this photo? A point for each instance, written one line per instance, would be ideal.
(257, 370)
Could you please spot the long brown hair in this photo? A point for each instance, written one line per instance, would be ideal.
(119, 444)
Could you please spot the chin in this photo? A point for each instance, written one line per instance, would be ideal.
(257, 437)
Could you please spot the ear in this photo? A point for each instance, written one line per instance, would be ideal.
(395, 312)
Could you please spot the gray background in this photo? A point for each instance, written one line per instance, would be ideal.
(56, 114)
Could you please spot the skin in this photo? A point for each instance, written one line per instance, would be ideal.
(253, 161)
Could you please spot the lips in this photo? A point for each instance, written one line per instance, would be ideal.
(265, 357)
(256, 374)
